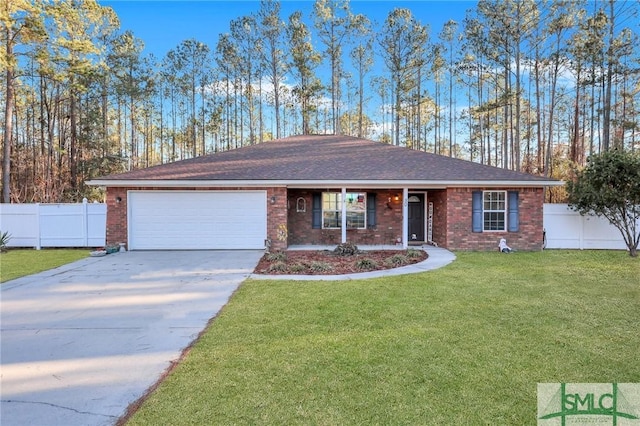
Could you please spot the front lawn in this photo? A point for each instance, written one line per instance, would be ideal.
(19, 263)
(466, 344)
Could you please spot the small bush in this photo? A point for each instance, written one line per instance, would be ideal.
(397, 260)
(320, 266)
(298, 267)
(4, 240)
(414, 254)
(277, 267)
(366, 264)
(346, 249)
(277, 256)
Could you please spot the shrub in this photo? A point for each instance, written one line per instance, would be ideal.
(346, 249)
(4, 240)
(366, 264)
(277, 267)
(413, 253)
(277, 256)
(397, 260)
(320, 266)
(298, 267)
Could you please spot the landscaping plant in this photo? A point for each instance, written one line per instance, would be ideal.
(346, 249)
(4, 240)
(610, 186)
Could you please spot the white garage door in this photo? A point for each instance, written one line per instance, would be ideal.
(197, 220)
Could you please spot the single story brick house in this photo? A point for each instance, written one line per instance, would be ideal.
(323, 190)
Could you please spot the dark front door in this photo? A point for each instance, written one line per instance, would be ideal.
(416, 217)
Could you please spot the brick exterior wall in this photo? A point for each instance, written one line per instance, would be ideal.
(116, 216)
(387, 230)
(277, 226)
(286, 226)
(459, 234)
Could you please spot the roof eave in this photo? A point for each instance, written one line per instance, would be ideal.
(159, 183)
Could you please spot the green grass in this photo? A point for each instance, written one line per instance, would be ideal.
(19, 263)
(465, 344)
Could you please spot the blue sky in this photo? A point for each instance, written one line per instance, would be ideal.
(162, 25)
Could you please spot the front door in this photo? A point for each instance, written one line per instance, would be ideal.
(416, 217)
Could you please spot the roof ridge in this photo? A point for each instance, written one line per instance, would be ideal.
(326, 158)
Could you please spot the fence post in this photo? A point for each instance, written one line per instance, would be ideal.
(583, 220)
(85, 223)
(38, 242)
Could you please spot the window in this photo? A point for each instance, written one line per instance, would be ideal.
(494, 210)
(332, 209)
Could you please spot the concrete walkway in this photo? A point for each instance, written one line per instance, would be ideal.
(83, 341)
(438, 257)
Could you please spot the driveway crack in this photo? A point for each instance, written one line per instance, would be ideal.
(38, 330)
(12, 401)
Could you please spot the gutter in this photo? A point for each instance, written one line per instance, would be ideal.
(393, 184)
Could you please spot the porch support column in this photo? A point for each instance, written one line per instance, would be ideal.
(405, 218)
(344, 215)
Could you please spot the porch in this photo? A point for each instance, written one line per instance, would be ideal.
(376, 218)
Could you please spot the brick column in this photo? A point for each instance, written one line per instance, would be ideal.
(116, 216)
(277, 220)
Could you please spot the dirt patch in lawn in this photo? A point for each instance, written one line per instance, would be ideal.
(326, 262)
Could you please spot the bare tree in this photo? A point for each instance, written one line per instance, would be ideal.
(304, 60)
(402, 41)
(362, 59)
(272, 29)
(334, 22)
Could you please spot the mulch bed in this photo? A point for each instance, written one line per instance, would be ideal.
(326, 262)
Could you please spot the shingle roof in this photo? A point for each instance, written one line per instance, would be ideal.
(323, 158)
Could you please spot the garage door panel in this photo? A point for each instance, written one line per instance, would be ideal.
(197, 220)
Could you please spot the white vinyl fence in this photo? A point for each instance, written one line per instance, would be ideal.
(566, 229)
(54, 225)
(84, 225)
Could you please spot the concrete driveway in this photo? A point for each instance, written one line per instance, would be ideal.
(81, 342)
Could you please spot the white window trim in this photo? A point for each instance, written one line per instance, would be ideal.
(343, 208)
(505, 211)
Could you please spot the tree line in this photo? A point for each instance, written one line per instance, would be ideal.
(534, 86)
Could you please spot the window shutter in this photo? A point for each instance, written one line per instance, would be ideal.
(476, 211)
(514, 214)
(371, 209)
(316, 209)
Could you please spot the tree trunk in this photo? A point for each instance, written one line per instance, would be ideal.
(606, 131)
(73, 163)
(276, 94)
(398, 109)
(260, 117)
(576, 122)
(516, 146)
(360, 98)
(451, 101)
(8, 126)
